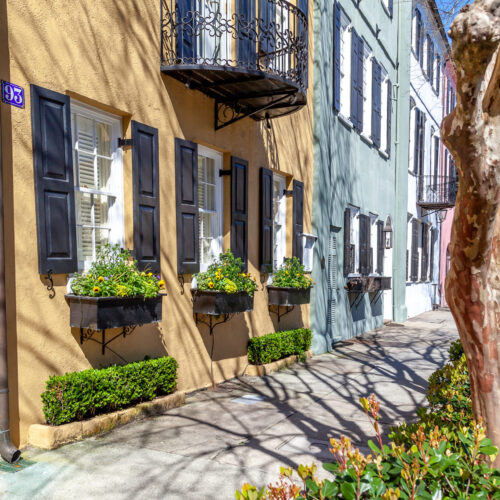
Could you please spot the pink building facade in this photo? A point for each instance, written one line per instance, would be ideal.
(449, 172)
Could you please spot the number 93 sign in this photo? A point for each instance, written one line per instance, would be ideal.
(12, 94)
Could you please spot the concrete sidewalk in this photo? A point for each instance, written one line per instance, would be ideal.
(248, 428)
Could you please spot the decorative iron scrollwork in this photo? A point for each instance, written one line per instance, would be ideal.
(50, 286)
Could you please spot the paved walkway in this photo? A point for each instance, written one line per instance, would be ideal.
(249, 427)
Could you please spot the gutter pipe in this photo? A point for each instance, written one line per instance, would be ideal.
(8, 451)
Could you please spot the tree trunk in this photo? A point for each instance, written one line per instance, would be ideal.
(472, 134)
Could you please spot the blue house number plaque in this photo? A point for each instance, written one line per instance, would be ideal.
(12, 94)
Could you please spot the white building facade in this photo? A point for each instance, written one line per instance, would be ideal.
(429, 52)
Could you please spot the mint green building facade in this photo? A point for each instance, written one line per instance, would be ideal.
(361, 106)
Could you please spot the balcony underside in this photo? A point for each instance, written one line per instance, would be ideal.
(239, 94)
(434, 206)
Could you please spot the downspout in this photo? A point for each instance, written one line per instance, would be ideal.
(7, 450)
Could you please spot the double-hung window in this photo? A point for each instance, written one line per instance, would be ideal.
(384, 110)
(98, 174)
(367, 90)
(279, 221)
(210, 205)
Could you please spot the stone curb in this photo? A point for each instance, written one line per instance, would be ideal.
(261, 370)
(49, 437)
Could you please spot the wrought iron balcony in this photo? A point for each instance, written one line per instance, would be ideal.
(251, 56)
(436, 192)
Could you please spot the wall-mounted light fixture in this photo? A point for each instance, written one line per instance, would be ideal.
(388, 236)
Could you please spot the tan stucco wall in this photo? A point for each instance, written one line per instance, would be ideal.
(108, 52)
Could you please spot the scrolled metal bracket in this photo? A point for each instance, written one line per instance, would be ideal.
(88, 334)
(288, 310)
(50, 286)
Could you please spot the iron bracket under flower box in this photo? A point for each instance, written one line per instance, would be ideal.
(288, 296)
(102, 313)
(216, 303)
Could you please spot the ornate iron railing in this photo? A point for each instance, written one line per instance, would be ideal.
(437, 191)
(268, 36)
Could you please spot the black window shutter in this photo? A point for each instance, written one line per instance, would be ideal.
(363, 245)
(414, 251)
(298, 219)
(369, 248)
(431, 259)
(266, 220)
(336, 58)
(390, 5)
(407, 263)
(245, 37)
(145, 173)
(376, 102)
(438, 74)
(239, 209)
(185, 31)
(425, 253)
(347, 241)
(354, 77)
(186, 183)
(389, 117)
(54, 185)
(380, 247)
(421, 148)
(361, 55)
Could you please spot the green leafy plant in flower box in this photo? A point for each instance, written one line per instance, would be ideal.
(115, 274)
(226, 275)
(291, 275)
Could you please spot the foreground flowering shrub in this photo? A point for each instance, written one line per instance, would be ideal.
(291, 275)
(226, 275)
(115, 274)
(443, 456)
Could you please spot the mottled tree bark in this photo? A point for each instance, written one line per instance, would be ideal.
(472, 134)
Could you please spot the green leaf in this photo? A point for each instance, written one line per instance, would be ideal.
(348, 491)
(374, 447)
(329, 489)
(312, 486)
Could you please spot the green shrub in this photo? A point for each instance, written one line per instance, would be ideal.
(80, 395)
(456, 350)
(274, 346)
(114, 274)
(291, 275)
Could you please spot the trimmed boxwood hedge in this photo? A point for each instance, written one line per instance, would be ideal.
(79, 395)
(274, 346)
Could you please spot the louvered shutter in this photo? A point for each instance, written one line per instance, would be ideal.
(298, 219)
(185, 11)
(361, 52)
(266, 220)
(245, 38)
(431, 259)
(414, 251)
(425, 253)
(389, 117)
(239, 209)
(407, 263)
(145, 175)
(380, 247)
(364, 260)
(347, 241)
(421, 149)
(54, 184)
(186, 182)
(354, 77)
(416, 141)
(336, 57)
(369, 245)
(438, 74)
(376, 102)
(430, 59)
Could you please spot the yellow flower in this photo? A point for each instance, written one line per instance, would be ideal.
(100, 279)
(298, 274)
(150, 274)
(143, 273)
(161, 284)
(96, 289)
(286, 272)
(219, 270)
(211, 285)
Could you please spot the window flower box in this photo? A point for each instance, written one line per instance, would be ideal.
(280, 296)
(217, 303)
(101, 313)
(368, 284)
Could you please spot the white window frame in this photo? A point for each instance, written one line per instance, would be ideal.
(209, 46)
(114, 189)
(203, 151)
(345, 64)
(279, 244)
(367, 90)
(384, 119)
(354, 238)
(373, 242)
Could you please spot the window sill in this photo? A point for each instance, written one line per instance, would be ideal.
(412, 173)
(345, 120)
(386, 9)
(383, 154)
(366, 139)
